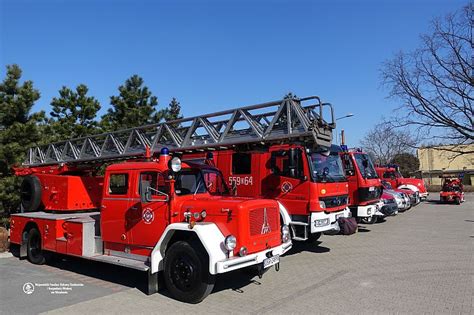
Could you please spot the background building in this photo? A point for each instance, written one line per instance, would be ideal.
(434, 162)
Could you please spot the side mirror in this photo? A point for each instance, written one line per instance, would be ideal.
(234, 188)
(293, 162)
(147, 196)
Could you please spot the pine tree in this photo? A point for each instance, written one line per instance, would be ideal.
(18, 130)
(73, 113)
(172, 112)
(134, 106)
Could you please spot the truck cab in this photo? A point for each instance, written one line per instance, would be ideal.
(308, 184)
(156, 215)
(392, 175)
(365, 188)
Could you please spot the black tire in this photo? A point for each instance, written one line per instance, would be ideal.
(457, 200)
(371, 220)
(186, 273)
(30, 193)
(313, 237)
(33, 248)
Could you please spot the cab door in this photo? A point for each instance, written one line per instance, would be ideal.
(288, 183)
(149, 217)
(115, 203)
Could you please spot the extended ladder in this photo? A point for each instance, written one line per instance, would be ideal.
(274, 122)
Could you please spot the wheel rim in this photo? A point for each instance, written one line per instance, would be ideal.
(35, 246)
(184, 272)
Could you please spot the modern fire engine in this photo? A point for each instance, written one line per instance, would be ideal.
(365, 188)
(301, 170)
(391, 174)
(153, 212)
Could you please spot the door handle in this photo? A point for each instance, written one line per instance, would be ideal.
(134, 208)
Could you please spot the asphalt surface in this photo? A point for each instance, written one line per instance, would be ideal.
(420, 261)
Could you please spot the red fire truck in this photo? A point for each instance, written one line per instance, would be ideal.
(365, 187)
(304, 174)
(148, 212)
(391, 174)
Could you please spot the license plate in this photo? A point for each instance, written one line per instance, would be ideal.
(268, 262)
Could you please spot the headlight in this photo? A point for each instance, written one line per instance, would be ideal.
(230, 242)
(321, 222)
(285, 233)
(322, 204)
(176, 164)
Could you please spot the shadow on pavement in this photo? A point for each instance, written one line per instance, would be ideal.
(362, 229)
(314, 247)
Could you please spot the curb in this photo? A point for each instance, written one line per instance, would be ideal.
(5, 255)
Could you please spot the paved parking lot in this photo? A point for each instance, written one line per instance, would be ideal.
(418, 261)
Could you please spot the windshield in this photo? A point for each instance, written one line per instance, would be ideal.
(195, 181)
(365, 166)
(327, 168)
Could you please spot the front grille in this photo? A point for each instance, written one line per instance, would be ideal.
(335, 201)
(366, 195)
(261, 223)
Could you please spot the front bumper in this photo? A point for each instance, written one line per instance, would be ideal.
(424, 195)
(237, 262)
(331, 219)
(367, 211)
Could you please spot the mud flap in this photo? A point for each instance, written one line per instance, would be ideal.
(152, 282)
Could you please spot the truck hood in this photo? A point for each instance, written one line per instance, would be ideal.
(419, 183)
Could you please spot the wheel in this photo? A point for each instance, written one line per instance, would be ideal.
(33, 248)
(186, 273)
(30, 193)
(370, 220)
(457, 200)
(313, 237)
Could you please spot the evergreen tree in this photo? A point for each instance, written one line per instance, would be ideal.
(73, 113)
(172, 112)
(134, 106)
(407, 162)
(18, 130)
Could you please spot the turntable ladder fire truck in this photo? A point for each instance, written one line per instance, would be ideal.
(304, 174)
(152, 212)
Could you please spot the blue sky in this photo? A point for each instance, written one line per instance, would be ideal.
(215, 55)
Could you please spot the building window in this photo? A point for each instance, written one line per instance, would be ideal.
(241, 163)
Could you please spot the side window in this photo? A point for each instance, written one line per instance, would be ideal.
(389, 175)
(280, 161)
(154, 180)
(118, 184)
(241, 163)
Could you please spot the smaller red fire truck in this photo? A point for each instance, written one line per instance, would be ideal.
(365, 188)
(391, 174)
(452, 190)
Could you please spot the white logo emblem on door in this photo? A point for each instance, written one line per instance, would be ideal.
(265, 226)
(148, 216)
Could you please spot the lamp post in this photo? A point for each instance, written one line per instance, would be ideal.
(342, 130)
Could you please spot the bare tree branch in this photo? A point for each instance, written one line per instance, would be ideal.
(434, 84)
